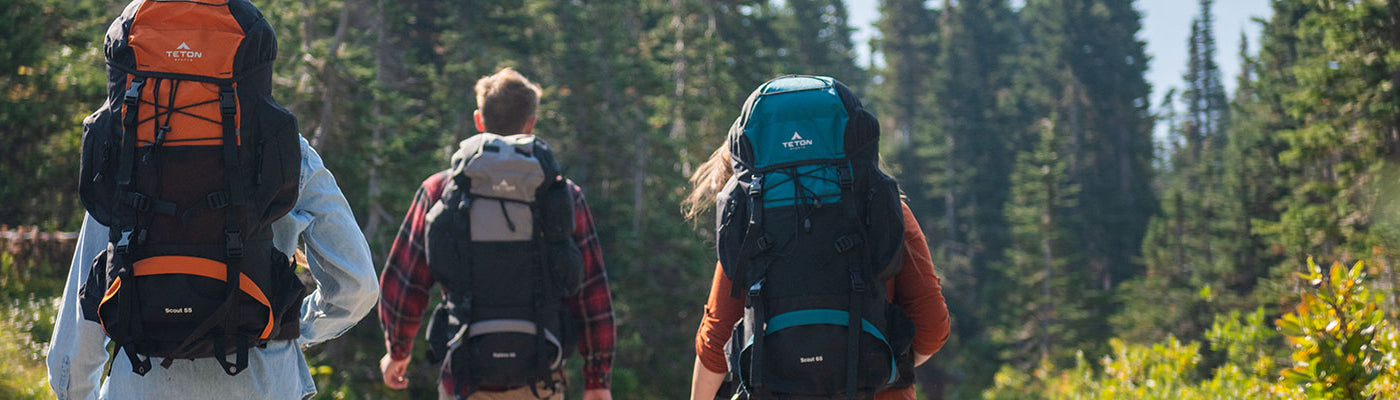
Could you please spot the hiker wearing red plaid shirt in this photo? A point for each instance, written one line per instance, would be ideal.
(406, 278)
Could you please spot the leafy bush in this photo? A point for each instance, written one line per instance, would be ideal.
(1339, 338)
(25, 327)
(1338, 346)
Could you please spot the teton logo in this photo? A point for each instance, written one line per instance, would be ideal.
(797, 142)
(183, 53)
(808, 360)
(503, 186)
(503, 355)
(179, 310)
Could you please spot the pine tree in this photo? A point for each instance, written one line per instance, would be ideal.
(969, 167)
(820, 38)
(1346, 97)
(52, 75)
(908, 44)
(1186, 246)
(1039, 322)
(1088, 67)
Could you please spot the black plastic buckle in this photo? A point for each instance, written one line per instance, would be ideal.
(124, 243)
(848, 242)
(139, 201)
(160, 134)
(857, 283)
(845, 178)
(134, 93)
(233, 243)
(228, 101)
(754, 291)
(756, 185)
(217, 200)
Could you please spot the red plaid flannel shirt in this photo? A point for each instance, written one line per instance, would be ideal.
(405, 282)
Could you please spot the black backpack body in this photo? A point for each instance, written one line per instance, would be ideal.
(188, 162)
(500, 242)
(809, 231)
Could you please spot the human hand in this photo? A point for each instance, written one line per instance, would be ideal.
(394, 371)
(597, 394)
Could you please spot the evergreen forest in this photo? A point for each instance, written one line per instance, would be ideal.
(1247, 249)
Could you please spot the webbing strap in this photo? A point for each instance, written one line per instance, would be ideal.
(233, 234)
(819, 316)
(126, 161)
(541, 260)
(854, 265)
(139, 365)
(755, 320)
(853, 340)
(143, 203)
(756, 239)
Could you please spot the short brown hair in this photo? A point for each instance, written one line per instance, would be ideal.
(506, 100)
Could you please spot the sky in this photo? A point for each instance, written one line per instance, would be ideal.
(1166, 26)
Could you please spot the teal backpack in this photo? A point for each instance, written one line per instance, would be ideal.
(809, 231)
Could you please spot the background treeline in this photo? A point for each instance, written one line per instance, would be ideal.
(1081, 256)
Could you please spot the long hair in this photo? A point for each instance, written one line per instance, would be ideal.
(706, 183)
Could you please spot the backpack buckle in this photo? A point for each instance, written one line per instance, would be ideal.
(134, 93)
(217, 200)
(848, 242)
(857, 283)
(233, 243)
(140, 202)
(756, 185)
(845, 178)
(124, 243)
(228, 101)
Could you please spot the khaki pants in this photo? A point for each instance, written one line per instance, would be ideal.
(522, 393)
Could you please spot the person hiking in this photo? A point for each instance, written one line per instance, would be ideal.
(191, 175)
(513, 244)
(801, 258)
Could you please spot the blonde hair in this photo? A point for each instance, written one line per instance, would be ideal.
(706, 183)
(506, 100)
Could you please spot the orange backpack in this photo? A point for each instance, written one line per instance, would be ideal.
(188, 162)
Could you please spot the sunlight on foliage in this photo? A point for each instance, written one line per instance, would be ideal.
(25, 327)
(1338, 346)
(1336, 333)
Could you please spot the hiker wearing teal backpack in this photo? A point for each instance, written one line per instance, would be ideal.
(824, 286)
(513, 244)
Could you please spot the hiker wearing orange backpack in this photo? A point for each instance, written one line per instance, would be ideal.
(824, 286)
(197, 188)
(513, 244)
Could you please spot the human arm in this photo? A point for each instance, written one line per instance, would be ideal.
(722, 311)
(704, 383)
(918, 291)
(405, 283)
(592, 306)
(337, 255)
(78, 348)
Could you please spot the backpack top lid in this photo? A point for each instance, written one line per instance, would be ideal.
(502, 167)
(800, 119)
(229, 40)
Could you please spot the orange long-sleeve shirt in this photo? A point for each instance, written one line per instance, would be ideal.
(916, 288)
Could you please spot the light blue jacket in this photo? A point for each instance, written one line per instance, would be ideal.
(346, 290)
